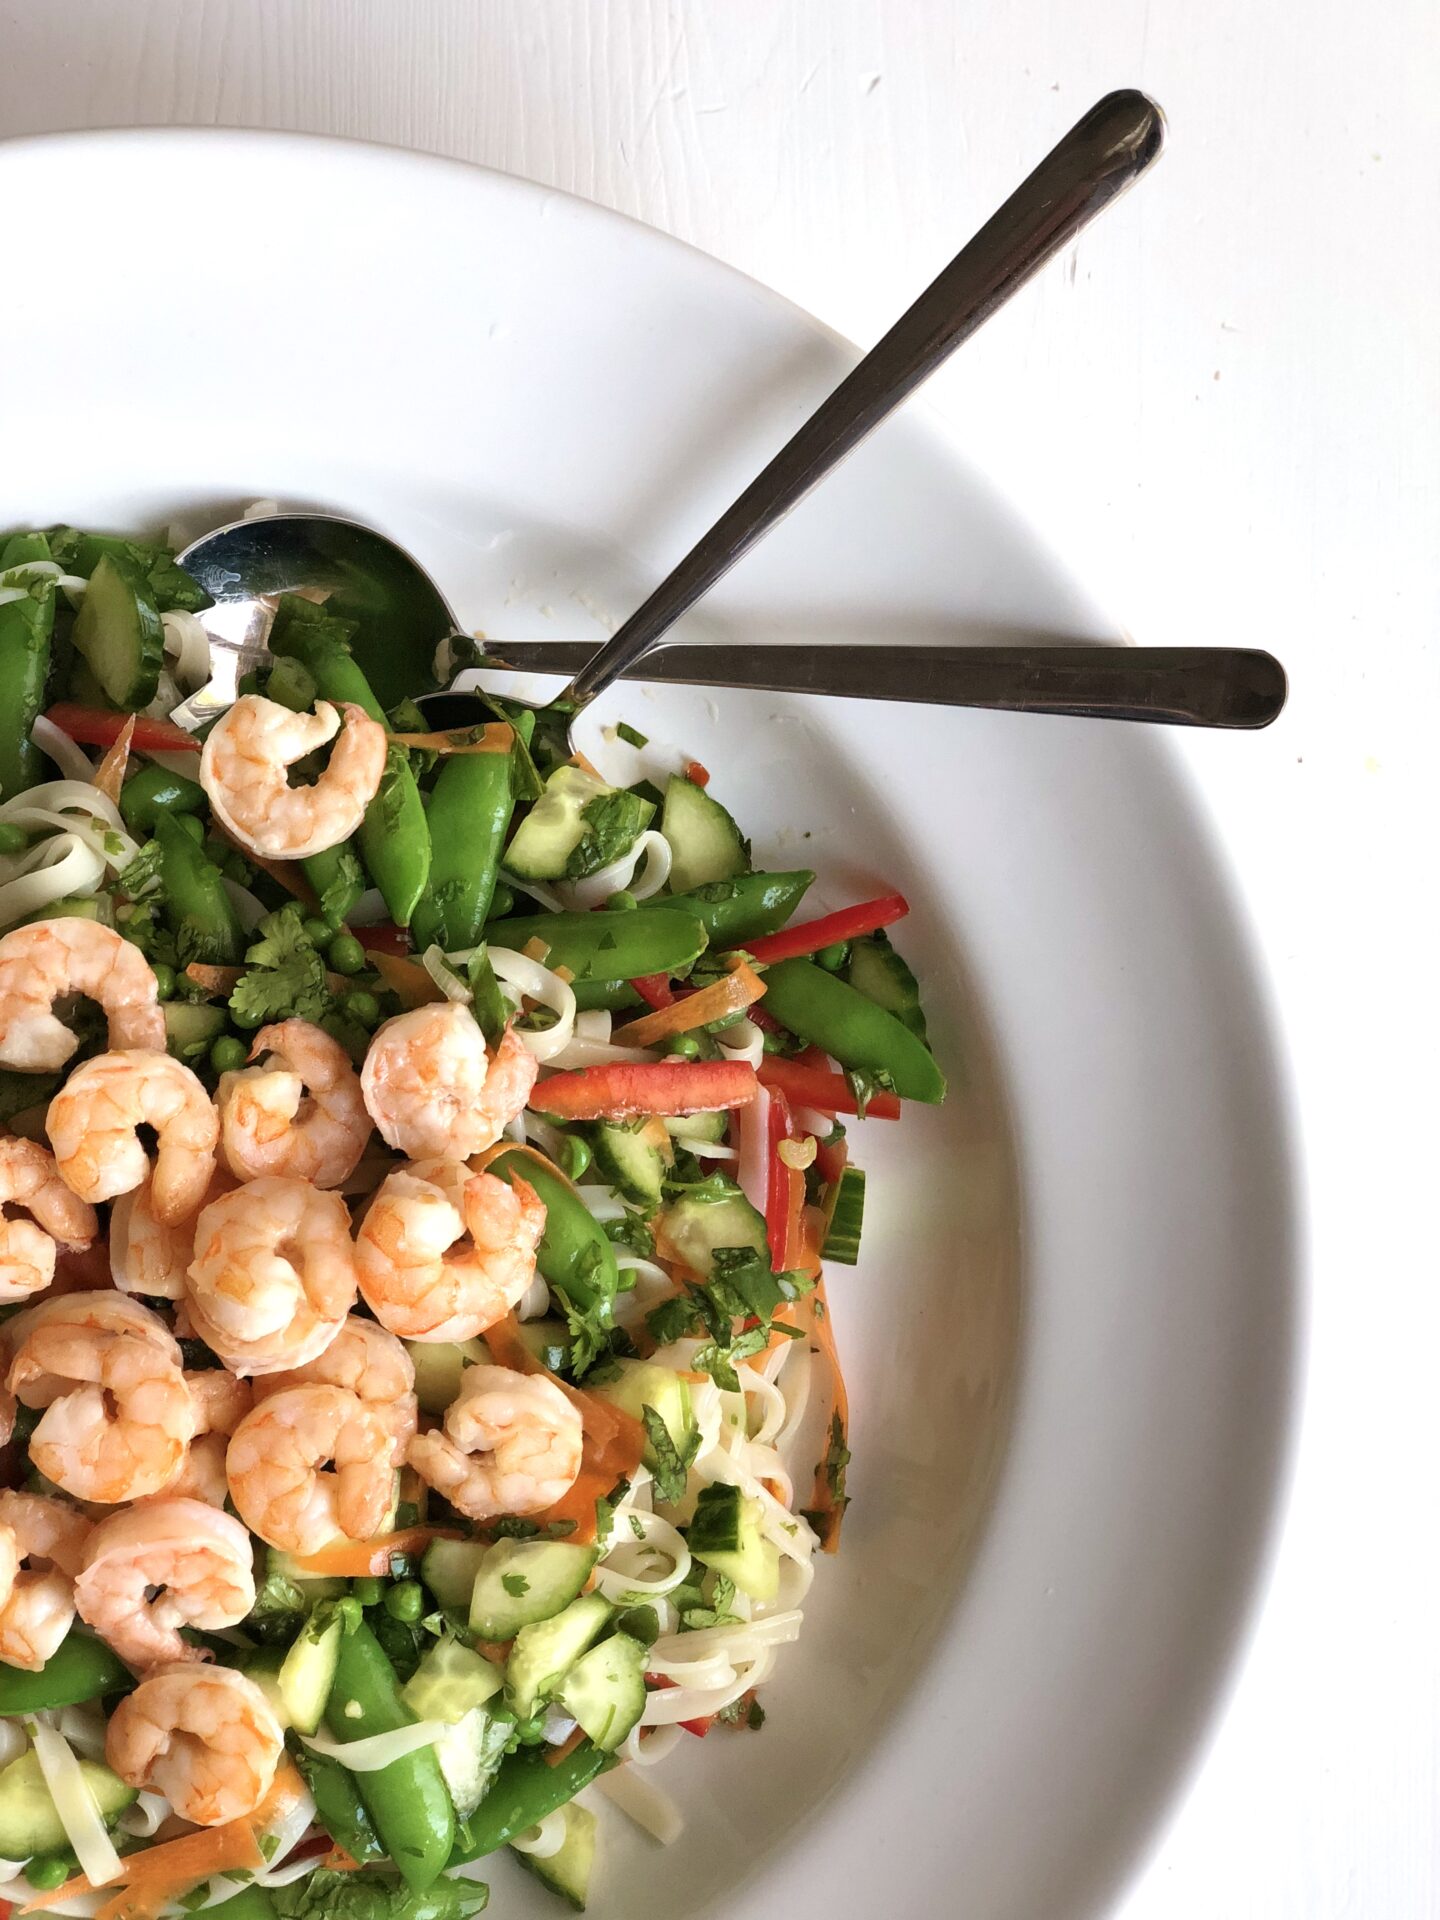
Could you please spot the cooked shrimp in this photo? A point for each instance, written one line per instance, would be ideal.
(162, 1566)
(432, 1088)
(149, 1256)
(94, 1123)
(372, 1364)
(27, 1247)
(222, 1401)
(443, 1253)
(273, 1275)
(118, 1415)
(205, 1737)
(42, 963)
(301, 1114)
(43, 1543)
(310, 1466)
(511, 1445)
(247, 759)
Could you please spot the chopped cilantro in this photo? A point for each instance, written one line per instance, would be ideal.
(673, 1319)
(631, 1231)
(717, 1614)
(346, 884)
(668, 1463)
(284, 976)
(515, 1584)
(611, 823)
(605, 1511)
(486, 1000)
(866, 1084)
(142, 874)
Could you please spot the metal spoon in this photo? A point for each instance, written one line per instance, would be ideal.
(403, 616)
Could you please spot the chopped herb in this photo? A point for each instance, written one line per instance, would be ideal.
(346, 886)
(515, 1584)
(866, 1084)
(642, 1624)
(611, 823)
(628, 734)
(673, 1319)
(668, 1463)
(630, 1230)
(605, 1510)
(637, 1526)
(717, 1613)
(284, 977)
(142, 874)
(486, 1000)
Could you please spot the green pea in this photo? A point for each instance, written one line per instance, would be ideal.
(685, 1044)
(193, 825)
(622, 902)
(164, 979)
(368, 1591)
(577, 1155)
(227, 1054)
(345, 953)
(317, 931)
(13, 839)
(362, 1006)
(405, 1601)
(833, 958)
(48, 1870)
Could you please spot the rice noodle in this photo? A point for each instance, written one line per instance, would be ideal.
(636, 1568)
(538, 983)
(379, 1749)
(547, 897)
(639, 1798)
(743, 1042)
(61, 749)
(248, 910)
(753, 1169)
(146, 1817)
(621, 876)
(187, 648)
(544, 1840)
(437, 965)
(592, 1046)
(534, 1303)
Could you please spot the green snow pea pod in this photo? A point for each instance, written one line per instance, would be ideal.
(25, 629)
(607, 945)
(408, 1800)
(251, 1903)
(338, 1806)
(469, 815)
(573, 1252)
(824, 1010)
(197, 907)
(526, 1788)
(80, 1669)
(745, 906)
(153, 791)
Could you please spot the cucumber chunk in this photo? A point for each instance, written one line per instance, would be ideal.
(29, 1820)
(470, 1753)
(705, 843)
(450, 1681)
(642, 1384)
(725, 1534)
(696, 1126)
(847, 1217)
(634, 1159)
(693, 1229)
(605, 1690)
(191, 1027)
(567, 1870)
(523, 1582)
(549, 1340)
(438, 1366)
(308, 1670)
(544, 1653)
(118, 633)
(881, 974)
(578, 825)
(449, 1569)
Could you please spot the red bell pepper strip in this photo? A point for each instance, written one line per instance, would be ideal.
(624, 1091)
(699, 1726)
(93, 727)
(848, 924)
(817, 1087)
(831, 1161)
(785, 1192)
(655, 990)
(385, 937)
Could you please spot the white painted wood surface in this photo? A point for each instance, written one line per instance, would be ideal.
(1222, 408)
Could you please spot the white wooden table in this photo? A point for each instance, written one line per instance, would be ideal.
(1223, 409)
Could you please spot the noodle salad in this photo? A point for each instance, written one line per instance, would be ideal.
(419, 1154)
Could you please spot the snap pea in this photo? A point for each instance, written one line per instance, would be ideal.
(408, 1800)
(827, 1012)
(251, 1903)
(573, 1252)
(338, 1806)
(25, 629)
(394, 836)
(523, 1792)
(609, 946)
(153, 791)
(610, 994)
(197, 907)
(337, 879)
(81, 1668)
(470, 808)
(742, 908)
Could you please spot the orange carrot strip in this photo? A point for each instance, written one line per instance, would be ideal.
(219, 980)
(740, 988)
(359, 1559)
(285, 1791)
(110, 774)
(404, 977)
(498, 737)
(339, 1861)
(823, 1501)
(554, 1755)
(284, 873)
(161, 1874)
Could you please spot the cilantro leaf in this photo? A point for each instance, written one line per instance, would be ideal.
(866, 1083)
(717, 1614)
(486, 1000)
(673, 1319)
(515, 1584)
(142, 874)
(372, 1894)
(746, 1272)
(284, 975)
(346, 884)
(669, 1464)
(629, 734)
(631, 1231)
(605, 1511)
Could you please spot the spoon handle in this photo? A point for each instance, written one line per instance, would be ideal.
(1099, 157)
(1186, 686)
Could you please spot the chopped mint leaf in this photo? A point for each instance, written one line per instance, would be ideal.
(668, 1463)
(673, 1319)
(605, 1511)
(631, 1231)
(866, 1084)
(611, 823)
(486, 1000)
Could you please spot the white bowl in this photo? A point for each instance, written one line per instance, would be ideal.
(1070, 1340)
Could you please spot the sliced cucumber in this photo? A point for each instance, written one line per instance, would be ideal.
(308, 1670)
(449, 1569)
(438, 1366)
(634, 1159)
(881, 974)
(578, 825)
(605, 1690)
(567, 1870)
(694, 1228)
(29, 1820)
(312, 1586)
(119, 634)
(696, 1126)
(450, 1682)
(550, 1342)
(725, 1534)
(544, 1653)
(470, 1753)
(191, 1027)
(847, 1217)
(705, 843)
(522, 1582)
(642, 1384)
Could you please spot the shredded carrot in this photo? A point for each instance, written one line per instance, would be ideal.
(339, 1861)
(284, 873)
(149, 1880)
(498, 737)
(285, 1792)
(219, 980)
(824, 1504)
(554, 1755)
(407, 978)
(110, 774)
(740, 988)
(359, 1559)
(577, 759)
(497, 1652)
